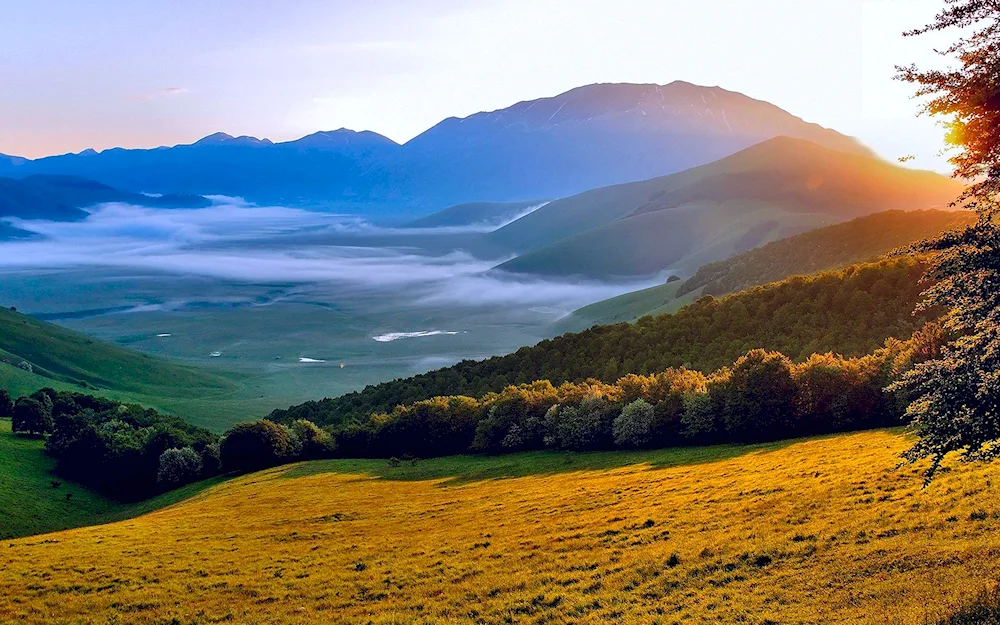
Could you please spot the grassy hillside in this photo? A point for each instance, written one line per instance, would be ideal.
(66, 356)
(817, 186)
(29, 504)
(473, 213)
(680, 239)
(816, 531)
(851, 312)
(628, 307)
(833, 247)
(858, 240)
(70, 361)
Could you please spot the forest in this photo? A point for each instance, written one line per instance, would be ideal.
(849, 312)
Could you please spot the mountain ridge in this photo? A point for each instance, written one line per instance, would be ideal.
(777, 188)
(587, 137)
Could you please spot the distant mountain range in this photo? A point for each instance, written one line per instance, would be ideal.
(778, 188)
(588, 137)
(63, 198)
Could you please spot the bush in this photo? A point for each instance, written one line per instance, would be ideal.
(178, 467)
(636, 425)
(31, 416)
(254, 445)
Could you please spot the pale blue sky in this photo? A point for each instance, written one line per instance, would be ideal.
(140, 73)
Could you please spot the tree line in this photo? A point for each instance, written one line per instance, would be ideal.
(762, 396)
(130, 452)
(850, 312)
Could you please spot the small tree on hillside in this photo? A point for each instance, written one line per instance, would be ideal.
(757, 400)
(31, 416)
(313, 442)
(636, 425)
(179, 467)
(956, 396)
(6, 405)
(254, 445)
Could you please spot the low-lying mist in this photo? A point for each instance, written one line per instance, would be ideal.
(234, 242)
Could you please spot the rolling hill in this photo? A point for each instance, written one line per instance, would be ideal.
(31, 504)
(851, 312)
(475, 214)
(63, 355)
(859, 240)
(772, 190)
(825, 530)
(588, 137)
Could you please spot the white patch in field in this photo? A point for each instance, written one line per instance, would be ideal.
(395, 336)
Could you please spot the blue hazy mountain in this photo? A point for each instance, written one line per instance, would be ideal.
(588, 137)
(63, 198)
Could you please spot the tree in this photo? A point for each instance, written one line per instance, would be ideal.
(31, 416)
(955, 403)
(757, 399)
(636, 425)
(254, 445)
(179, 467)
(313, 441)
(6, 405)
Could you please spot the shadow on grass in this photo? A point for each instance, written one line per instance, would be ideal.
(457, 470)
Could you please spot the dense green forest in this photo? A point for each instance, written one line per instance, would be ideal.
(762, 396)
(832, 247)
(850, 312)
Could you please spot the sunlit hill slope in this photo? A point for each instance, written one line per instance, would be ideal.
(818, 531)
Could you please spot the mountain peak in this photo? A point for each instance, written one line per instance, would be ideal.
(342, 137)
(221, 138)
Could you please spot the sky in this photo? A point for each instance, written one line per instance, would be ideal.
(143, 73)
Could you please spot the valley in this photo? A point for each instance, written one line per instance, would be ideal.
(633, 350)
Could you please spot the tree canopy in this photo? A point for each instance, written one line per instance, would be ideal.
(956, 406)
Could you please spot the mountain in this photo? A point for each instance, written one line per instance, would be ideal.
(62, 198)
(551, 147)
(315, 167)
(851, 312)
(9, 161)
(475, 214)
(778, 188)
(824, 249)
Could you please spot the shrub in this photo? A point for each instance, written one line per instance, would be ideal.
(636, 425)
(31, 416)
(178, 467)
(254, 445)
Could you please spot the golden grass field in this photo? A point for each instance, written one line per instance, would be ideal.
(819, 531)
